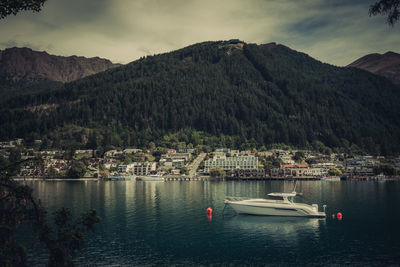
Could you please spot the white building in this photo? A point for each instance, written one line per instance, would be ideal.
(138, 168)
(174, 159)
(300, 170)
(231, 163)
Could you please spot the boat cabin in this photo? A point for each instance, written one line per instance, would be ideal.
(281, 196)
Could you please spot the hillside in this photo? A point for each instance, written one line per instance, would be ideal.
(241, 93)
(25, 69)
(386, 65)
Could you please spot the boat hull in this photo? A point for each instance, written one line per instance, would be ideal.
(275, 209)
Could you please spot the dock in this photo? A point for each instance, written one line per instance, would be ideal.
(187, 178)
(254, 178)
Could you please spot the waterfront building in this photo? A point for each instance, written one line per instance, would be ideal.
(175, 172)
(144, 168)
(361, 165)
(231, 163)
(300, 170)
(137, 168)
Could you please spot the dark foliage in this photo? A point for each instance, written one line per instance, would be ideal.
(63, 240)
(244, 94)
(386, 169)
(386, 7)
(77, 170)
(8, 7)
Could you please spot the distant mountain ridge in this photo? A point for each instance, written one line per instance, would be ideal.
(386, 65)
(245, 94)
(18, 64)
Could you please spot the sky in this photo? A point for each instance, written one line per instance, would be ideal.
(333, 31)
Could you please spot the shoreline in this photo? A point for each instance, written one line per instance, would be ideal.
(53, 179)
(183, 178)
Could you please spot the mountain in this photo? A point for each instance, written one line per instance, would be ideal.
(22, 68)
(386, 65)
(241, 95)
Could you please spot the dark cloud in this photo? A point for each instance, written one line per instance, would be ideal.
(334, 31)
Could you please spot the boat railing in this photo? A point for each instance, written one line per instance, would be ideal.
(234, 198)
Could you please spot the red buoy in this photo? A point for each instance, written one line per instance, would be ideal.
(339, 216)
(209, 211)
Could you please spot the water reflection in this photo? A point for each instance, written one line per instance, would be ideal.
(274, 227)
(151, 223)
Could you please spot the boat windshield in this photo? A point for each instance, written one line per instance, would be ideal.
(274, 197)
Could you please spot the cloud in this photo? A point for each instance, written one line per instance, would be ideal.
(336, 32)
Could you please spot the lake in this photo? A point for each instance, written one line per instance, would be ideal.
(165, 223)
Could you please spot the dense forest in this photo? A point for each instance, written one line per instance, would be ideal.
(237, 93)
(11, 88)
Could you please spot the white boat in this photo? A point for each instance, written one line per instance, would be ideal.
(152, 178)
(330, 178)
(275, 204)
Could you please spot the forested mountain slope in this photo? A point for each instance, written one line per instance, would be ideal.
(259, 93)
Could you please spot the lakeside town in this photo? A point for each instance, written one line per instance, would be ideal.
(192, 163)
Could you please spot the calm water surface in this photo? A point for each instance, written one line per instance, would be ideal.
(165, 223)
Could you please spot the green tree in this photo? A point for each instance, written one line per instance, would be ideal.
(271, 162)
(52, 173)
(334, 171)
(3, 162)
(77, 169)
(92, 142)
(386, 169)
(184, 170)
(103, 172)
(299, 156)
(158, 152)
(127, 159)
(15, 155)
(217, 172)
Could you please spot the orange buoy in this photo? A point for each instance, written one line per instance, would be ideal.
(339, 215)
(209, 211)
